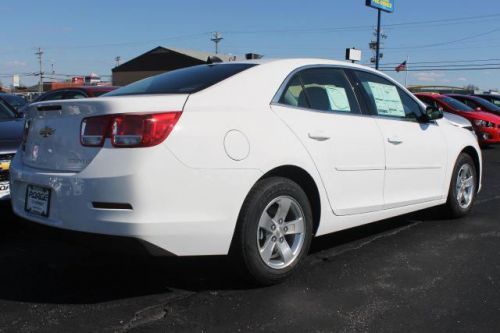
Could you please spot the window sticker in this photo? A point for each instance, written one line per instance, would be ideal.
(387, 100)
(338, 99)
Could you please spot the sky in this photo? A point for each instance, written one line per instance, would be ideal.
(83, 37)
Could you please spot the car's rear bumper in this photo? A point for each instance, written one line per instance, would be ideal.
(181, 210)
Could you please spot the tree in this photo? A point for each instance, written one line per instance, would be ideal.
(471, 87)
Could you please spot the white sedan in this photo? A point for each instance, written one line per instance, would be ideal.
(251, 159)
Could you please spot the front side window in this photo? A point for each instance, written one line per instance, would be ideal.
(6, 112)
(481, 102)
(322, 89)
(496, 101)
(387, 99)
(53, 96)
(74, 95)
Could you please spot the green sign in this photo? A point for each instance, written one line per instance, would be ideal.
(385, 5)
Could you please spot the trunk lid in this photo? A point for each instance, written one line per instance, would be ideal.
(53, 140)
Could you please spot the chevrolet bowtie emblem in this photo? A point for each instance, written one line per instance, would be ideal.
(47, 131)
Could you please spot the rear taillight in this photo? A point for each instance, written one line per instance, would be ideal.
(94, 131)
(128, 130)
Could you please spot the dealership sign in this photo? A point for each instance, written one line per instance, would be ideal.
(385, 5)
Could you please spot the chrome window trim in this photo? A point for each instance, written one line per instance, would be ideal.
(281, 90)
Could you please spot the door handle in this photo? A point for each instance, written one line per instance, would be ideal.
(318, 136)
(395, 140)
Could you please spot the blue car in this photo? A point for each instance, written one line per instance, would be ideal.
(11, 134)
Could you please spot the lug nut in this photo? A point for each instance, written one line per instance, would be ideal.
(286, 229)
(273, 239)
(280, 221)
(281, 239)
(273, 227)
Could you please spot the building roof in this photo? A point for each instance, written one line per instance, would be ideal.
(163, 58)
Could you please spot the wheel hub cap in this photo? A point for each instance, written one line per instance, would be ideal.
(280, 234)
(465, 186)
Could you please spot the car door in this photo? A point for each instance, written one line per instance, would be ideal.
(321, 108)
(415, 151)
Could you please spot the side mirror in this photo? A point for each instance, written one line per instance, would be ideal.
(433, 114)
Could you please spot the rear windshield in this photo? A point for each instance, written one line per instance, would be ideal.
(182, 81)
(455, 104)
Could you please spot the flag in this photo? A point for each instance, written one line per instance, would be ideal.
(401, 67)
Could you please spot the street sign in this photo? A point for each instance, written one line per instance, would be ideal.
(353, 55)
(15, 81)
(385, 5)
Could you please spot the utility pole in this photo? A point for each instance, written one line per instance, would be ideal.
(216, 38)
(386, 6)
(39, 54)
(117, 59)
(377, 52)
(376, 46)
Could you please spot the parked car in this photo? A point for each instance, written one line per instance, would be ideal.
(247, 158)
(71, 93)
(74, 93)
(17, 102)
(486, 125)
(11, 133)
(492, 98)
(477, 103)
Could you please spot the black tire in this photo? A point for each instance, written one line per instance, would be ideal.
(452, 208)
(245, 248)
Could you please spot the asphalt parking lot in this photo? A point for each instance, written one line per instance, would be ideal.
(412, 273)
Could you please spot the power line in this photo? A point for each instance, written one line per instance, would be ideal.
(445, 42)
(390, 69)
(445, 61)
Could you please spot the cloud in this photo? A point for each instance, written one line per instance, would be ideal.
(15, 64)
(430, 77)
(462, 79)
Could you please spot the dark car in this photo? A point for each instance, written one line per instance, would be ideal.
(74, 93)
(492, 98)
(17, 102)
(11, 134)
(477, 103)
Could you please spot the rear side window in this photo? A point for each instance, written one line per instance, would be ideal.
(323, 89)
(182, 81)
(387, 99)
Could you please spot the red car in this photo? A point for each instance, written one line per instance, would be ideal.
(486, 125)
(477, 103)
